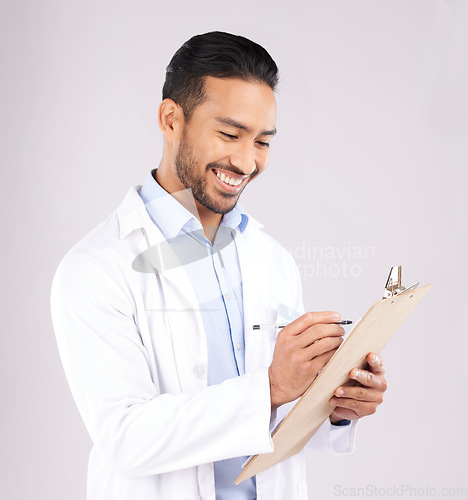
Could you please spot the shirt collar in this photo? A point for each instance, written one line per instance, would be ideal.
(236, 218)
(171, 217)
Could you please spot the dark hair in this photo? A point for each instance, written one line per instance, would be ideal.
(217, 54)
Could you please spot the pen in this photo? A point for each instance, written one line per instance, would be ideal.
(264, 327)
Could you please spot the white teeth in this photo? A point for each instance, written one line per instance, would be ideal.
(228, 180)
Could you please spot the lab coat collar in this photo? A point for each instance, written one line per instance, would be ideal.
(132, 215)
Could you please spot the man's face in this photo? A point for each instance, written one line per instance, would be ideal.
(226, 141)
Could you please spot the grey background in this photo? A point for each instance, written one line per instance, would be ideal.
(369, 167)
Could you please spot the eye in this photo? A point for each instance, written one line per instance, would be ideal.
(230, 136)
(263, 144)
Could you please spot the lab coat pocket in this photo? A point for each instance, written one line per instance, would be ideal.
(286, 314)
(263, 338)
(270, 335)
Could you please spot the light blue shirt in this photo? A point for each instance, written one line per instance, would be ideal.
(216, 278)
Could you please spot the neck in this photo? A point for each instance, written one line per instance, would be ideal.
(208, 219)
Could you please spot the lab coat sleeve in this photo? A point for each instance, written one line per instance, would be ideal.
(328, 438)
(140, 431)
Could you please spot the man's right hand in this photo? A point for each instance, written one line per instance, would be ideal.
(302, 349)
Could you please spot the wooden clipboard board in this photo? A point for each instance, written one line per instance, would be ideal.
(371, 334)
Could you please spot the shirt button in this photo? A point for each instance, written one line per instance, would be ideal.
(228, 296)
(238, 346)
(199, 371)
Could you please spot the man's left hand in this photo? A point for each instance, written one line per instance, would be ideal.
(364, 397)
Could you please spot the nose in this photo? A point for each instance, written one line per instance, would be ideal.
(244, 158)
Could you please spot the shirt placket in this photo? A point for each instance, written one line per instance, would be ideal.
(232, 309)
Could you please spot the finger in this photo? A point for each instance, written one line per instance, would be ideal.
(360, 394)
(375, 363)
(322, 346)
(318, 332)
(361, 408)
(369, 379)
(311, 318)
(317, 363)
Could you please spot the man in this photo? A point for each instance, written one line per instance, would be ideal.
(153, 310)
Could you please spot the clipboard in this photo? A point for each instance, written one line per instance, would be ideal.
(371, 334)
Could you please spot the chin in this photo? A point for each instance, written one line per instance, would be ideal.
(223, 205)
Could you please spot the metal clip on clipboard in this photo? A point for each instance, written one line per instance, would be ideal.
(393, 286)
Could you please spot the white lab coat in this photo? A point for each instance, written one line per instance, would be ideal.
(134, 352)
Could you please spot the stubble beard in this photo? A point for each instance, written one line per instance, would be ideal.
(186, 164)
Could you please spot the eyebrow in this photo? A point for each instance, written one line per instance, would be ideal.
(233, 123)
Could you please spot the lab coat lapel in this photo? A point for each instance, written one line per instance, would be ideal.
(132, 216)
(179, 302)
(184, 319)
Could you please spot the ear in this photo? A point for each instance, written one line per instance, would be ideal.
(171, 119)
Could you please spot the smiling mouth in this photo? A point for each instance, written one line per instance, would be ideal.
(230, 182)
